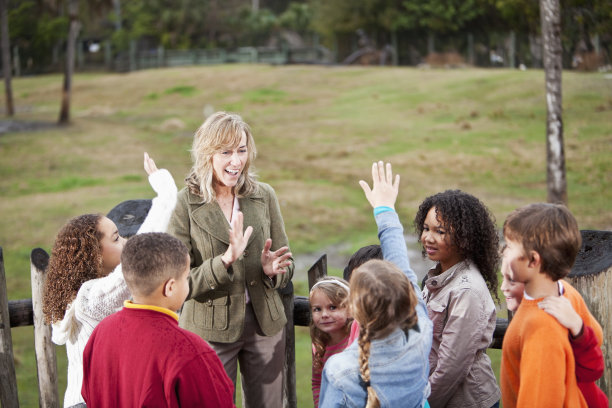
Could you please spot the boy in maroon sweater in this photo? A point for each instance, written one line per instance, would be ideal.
(139, 356)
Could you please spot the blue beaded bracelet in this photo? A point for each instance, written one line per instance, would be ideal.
(382, 209)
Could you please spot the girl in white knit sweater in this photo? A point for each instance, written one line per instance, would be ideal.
(84, 279)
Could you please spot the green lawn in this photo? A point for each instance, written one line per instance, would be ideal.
(317, 129)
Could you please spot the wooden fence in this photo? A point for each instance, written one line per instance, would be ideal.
(592, 276)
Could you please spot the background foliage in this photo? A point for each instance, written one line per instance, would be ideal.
(39, 27)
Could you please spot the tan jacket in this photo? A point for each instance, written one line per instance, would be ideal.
(215, 307)
(463, 316)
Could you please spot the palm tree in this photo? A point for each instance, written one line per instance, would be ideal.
(550, 16)
(6, 57)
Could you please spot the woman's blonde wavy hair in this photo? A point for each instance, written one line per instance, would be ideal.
(382, 299)
(220, 131)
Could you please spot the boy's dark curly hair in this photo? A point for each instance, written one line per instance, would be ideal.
(76, 257)
(471, 227)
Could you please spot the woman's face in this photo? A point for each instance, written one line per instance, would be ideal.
(436, 241)
(229, 163)
(112, 245)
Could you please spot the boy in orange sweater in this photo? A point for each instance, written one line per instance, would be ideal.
(139, 356)
(538, 368)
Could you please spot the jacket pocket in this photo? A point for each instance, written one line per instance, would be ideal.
(275, 306)
(212, 311)
(437, 314)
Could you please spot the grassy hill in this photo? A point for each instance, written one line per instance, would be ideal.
(317, 129)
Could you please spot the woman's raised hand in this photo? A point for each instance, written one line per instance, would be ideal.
(238, 240)
(149, 164)
(384, 188)
(274, 262)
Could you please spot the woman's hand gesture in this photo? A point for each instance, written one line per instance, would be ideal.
(274, 262)
(238, 240)
(385, 188)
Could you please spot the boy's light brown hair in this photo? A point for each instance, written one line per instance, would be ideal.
(148, 260)
(550, 230)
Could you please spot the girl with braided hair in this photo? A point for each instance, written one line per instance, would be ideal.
(458, 232)
(388, 365)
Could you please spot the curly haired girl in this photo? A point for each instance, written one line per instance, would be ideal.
(388, 365)
(84, 278)
(458, 232)
(331, 327)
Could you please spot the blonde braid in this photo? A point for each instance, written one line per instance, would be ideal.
(364, 367)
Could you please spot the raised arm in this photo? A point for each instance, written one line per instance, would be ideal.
(382, 197)
(102, 297)
(162, 206)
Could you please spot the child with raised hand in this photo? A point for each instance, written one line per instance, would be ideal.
(538, 367)
(332, 329)
(457, 232)
(388, 365)
(140, 357)
(585, 340)
(84, 279)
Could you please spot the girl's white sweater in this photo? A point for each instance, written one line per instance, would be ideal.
(99, 298)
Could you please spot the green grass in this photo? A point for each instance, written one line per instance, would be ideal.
(317, 129)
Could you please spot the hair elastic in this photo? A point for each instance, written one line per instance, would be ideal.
(334, 281)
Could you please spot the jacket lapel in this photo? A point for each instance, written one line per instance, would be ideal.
(254, 210)
(210, 218)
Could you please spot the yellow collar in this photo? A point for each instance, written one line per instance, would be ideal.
(128, 304)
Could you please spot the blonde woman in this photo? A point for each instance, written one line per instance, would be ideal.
(235, 273)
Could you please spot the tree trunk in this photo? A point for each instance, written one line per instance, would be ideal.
(550, 15)
(73, 32)
(6, 57)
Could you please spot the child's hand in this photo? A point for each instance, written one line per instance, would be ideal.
(385, 189)
(238, 240)
(274, 262)
(561, 309)
(149, 164)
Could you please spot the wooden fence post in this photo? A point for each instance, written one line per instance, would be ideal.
(592, 277)
(317, 270)
(289, 386)
(45, 350)
(8, 378)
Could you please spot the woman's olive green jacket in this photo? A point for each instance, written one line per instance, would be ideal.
(215, 307)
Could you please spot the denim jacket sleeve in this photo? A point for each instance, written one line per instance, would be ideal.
(393, 244)
(330, 395)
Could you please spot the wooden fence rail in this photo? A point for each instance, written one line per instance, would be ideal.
(592, 276)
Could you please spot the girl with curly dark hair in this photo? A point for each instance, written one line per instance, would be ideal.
(84, 278)
(458, 232)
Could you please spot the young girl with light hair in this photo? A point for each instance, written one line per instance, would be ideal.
(332, 329)
(388, 365)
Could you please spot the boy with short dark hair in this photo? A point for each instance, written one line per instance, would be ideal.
(139, 356)
(538, 368)
(361, 256)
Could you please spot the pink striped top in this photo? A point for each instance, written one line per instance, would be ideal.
(330, 351)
